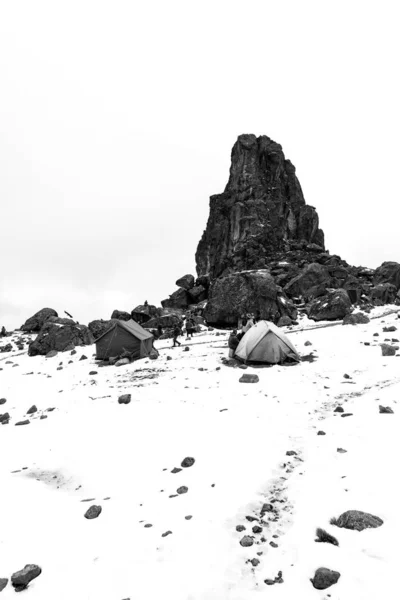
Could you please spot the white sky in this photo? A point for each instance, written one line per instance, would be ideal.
(117, 120)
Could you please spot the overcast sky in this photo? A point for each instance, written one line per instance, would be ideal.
(117, 120)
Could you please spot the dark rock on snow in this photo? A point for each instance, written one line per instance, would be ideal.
(335, 305)
(26, 422)
(388, 350)
(93, 512)
(4, 418)
(36, 322)
(356, 318)
(179, 299)
(124, 399)
(325, 537)
(357, 520)
(188, 462)
(3, 400)
(3, 583)
(386, 410)
(324, 578)
(246, 541)
(21, 579)
(249, 378)
(32, 410)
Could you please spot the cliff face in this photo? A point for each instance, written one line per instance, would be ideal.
(261, 212)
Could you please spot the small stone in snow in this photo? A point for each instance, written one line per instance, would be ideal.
(291, 453)
(26, 422)
(242, 366)
(166, 533)
(3, 400)
(341, 450)
(186, 349)
(92, 372)
(169, 357)
(3, 583)
(347, 415)
(240, 528)
(83, 357)
(148, 525)
(176, 470)
(249, 378)
(257, 529)
(273, 544)
(307, 343)
(188, 517)
(32, 410)
(43, 417)
(124, 399)
(246, 541)
(93, 512)
(386, 409)
(339, 409)
(182, 490)
(346, 376)
(51, 354)
(255, 562)
(321, 433)
(324, 578)
(187, 462)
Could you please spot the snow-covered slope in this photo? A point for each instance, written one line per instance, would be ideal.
(92, 450)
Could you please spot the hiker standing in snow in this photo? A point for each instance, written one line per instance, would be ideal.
(233, 343)
(177, 332)
(189, 327)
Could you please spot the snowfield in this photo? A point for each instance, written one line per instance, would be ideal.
(92, 450)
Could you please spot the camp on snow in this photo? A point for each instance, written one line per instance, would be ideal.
(126, 336)
(265, 342)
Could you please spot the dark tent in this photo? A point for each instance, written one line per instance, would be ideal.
(123, 336)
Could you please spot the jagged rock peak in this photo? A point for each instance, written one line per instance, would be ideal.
(262, 212)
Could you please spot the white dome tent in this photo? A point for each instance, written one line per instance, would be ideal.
(265, 342)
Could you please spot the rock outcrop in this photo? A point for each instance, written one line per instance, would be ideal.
(262, 224)
(262, 211)
(36, 322)
(58, 335)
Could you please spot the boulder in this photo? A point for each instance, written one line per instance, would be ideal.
(6, 348)
(388, 349)
(284, 321)
(121, 315)
(335, 305)
(186, 282)
(99, 326)
(261, 212)
(357, 520)
(383, 293)
(324, 578)
(249, 378)
(179, 299)
(3, 583)
(168, 320)
(144, 312)
(312, 279)
(93, 512)
(21, 579)
(58, 336)
(388, 272)
(197, 294)
(36, 322)
(356, 318)
(249, 291)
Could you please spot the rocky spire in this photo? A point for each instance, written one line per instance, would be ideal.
(262, 212)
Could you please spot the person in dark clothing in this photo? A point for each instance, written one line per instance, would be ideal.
(233, 343)
(177, 332)
(159, 332)
(190, 327)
